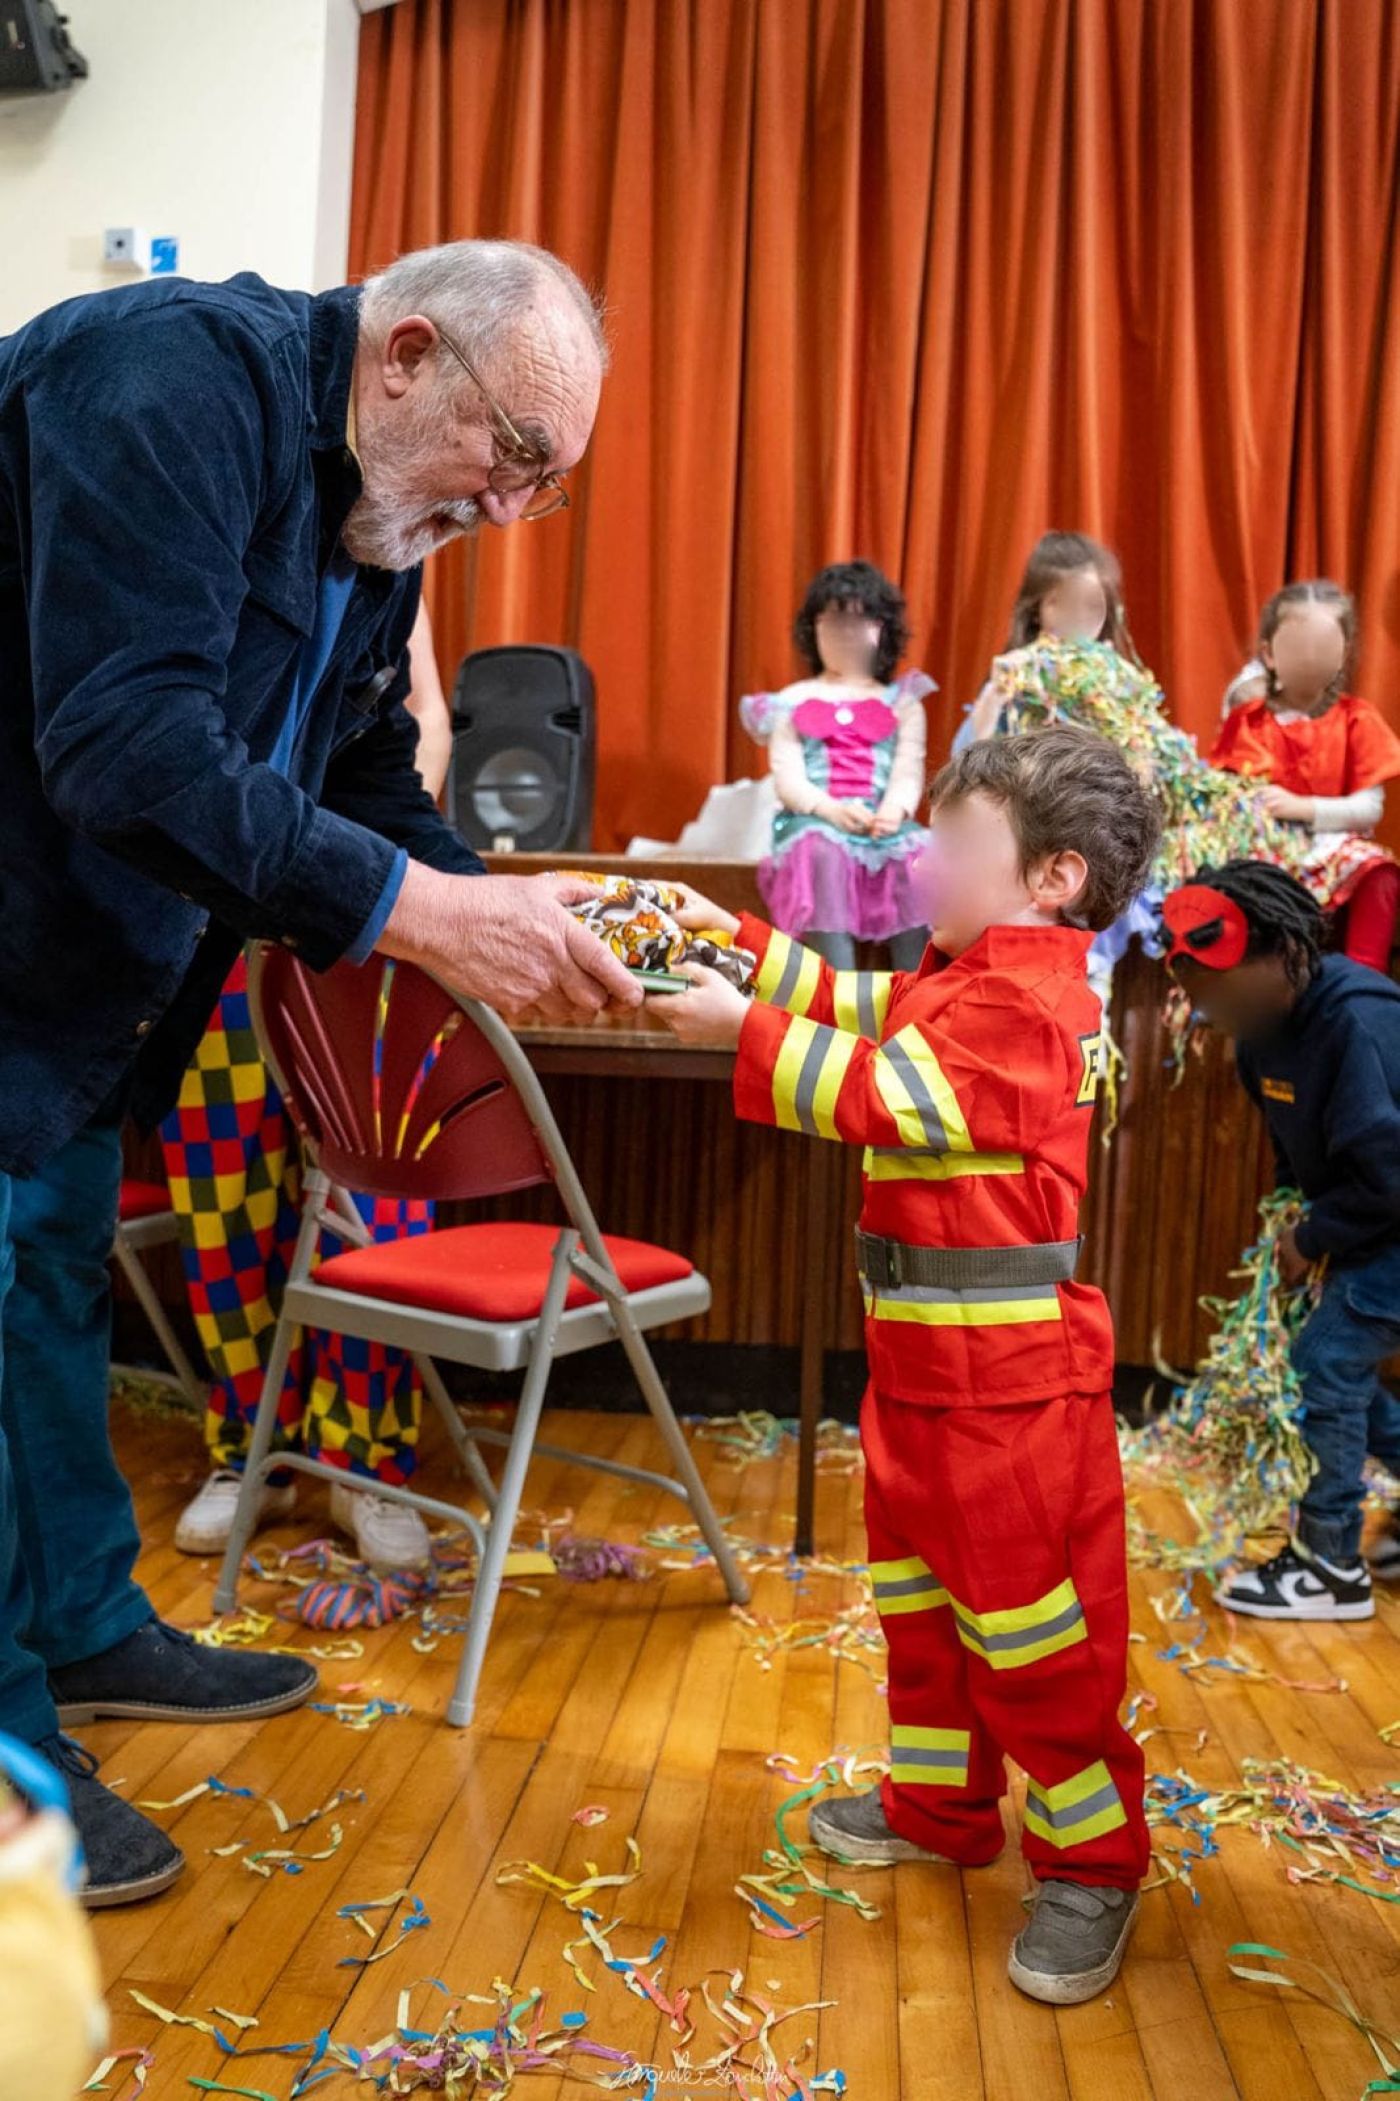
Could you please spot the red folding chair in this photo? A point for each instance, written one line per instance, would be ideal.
(399, 1089)
(145, 1219)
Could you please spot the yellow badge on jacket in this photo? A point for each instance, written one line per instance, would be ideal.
(1277, 1090)
(1092, 1051)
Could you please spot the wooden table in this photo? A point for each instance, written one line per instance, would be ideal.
(644, 1049)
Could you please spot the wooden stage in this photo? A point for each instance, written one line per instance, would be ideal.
(648, 1699)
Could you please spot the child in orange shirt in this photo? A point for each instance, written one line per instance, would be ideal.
(994, 1496)
(1326, 754)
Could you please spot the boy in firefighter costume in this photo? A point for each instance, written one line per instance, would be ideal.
(994, 1499)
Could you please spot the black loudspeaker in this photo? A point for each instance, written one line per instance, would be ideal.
(36, 53)
(521, 778)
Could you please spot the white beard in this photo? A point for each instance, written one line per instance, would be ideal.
(387, 534)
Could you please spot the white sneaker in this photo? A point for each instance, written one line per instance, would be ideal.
(205, 1524)
(386, 1535)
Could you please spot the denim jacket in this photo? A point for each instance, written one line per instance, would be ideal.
(173, 479)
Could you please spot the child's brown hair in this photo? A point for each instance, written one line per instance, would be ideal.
(1053, 556)
(1066, 789)
(1315, 590)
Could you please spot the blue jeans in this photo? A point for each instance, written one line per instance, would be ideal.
(68, 1538)
(1347, 1412)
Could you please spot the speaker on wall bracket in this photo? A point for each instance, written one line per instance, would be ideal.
(521, 778)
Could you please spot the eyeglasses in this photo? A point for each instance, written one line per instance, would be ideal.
(517, 463)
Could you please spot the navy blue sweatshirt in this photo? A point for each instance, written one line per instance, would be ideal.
(1328, 1082)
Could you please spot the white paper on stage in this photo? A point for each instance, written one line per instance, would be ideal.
(735, 824)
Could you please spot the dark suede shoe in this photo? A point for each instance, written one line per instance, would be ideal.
(128, 1857)
(159, 1674)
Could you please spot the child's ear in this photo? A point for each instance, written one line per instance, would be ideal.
(1059, 882)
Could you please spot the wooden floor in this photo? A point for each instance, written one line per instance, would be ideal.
(648, 1699)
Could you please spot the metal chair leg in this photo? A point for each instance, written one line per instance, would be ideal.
(134, 1271)
(659, 1402)
(491, 1567)
(256, 1466)
(464, 1444)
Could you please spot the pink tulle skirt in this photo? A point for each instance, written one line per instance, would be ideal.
(817, 883)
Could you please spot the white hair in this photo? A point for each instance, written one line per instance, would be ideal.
(480, 292)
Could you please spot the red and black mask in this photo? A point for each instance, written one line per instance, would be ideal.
(1205, 925)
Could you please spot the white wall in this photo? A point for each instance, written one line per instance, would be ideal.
(228, 123)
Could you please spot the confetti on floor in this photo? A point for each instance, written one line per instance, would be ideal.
(1324, 1830)
(755, 1434)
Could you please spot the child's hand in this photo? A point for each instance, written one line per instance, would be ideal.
(1291, 809)
(1293, 1265)
(885, 827)
(852, 817)
(709, 1017)
(698, 914)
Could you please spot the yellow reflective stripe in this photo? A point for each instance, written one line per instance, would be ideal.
(1021, 1634)
(929, 1757)
(963, 1313)
(884, 1163)
(916, 1091)
(1078, 1809)
(860, 1000)
(905, 1586)
(1010, 1619)
(807, 1076)
(788, 976)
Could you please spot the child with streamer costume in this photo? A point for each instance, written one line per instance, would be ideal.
(994, 1495)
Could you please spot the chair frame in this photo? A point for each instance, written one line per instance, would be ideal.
(529, 1345)
(132, 1237)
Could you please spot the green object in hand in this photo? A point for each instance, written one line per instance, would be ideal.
(661, 980)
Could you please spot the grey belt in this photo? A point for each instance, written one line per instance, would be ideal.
(890, 1263)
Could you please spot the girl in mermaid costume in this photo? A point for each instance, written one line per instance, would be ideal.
(847, 749)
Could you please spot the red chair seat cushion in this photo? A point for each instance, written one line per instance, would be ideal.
(487, 1272)
(142, 1200)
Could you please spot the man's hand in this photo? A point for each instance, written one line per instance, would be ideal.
(508, 941)
(709, 1017)
(697, 914)
(1289, 808)
(1293, 1266)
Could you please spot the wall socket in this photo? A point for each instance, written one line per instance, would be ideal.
(124, 245)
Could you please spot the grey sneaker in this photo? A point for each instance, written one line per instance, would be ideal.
(1071, 1948)
(853, 1828)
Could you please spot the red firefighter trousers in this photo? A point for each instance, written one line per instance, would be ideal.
(997, 1557)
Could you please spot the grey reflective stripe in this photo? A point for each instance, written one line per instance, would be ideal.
(792, 971)
(865, 1003)
(805, 1092)
(905, 1587)
(1019, 1637)
(923, 1101)
(1064, 1819)
(944, 1761)
(979, 1295)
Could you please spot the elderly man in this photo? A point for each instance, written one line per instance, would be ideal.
(213, 503)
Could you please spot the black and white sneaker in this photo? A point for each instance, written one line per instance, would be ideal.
(1297, 1585)
(1383, 1554)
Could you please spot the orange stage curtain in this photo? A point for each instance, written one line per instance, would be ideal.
(915, 279)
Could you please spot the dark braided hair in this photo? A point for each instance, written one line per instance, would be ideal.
(1284, 918)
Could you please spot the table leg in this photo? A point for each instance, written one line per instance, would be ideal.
(815, 1227)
